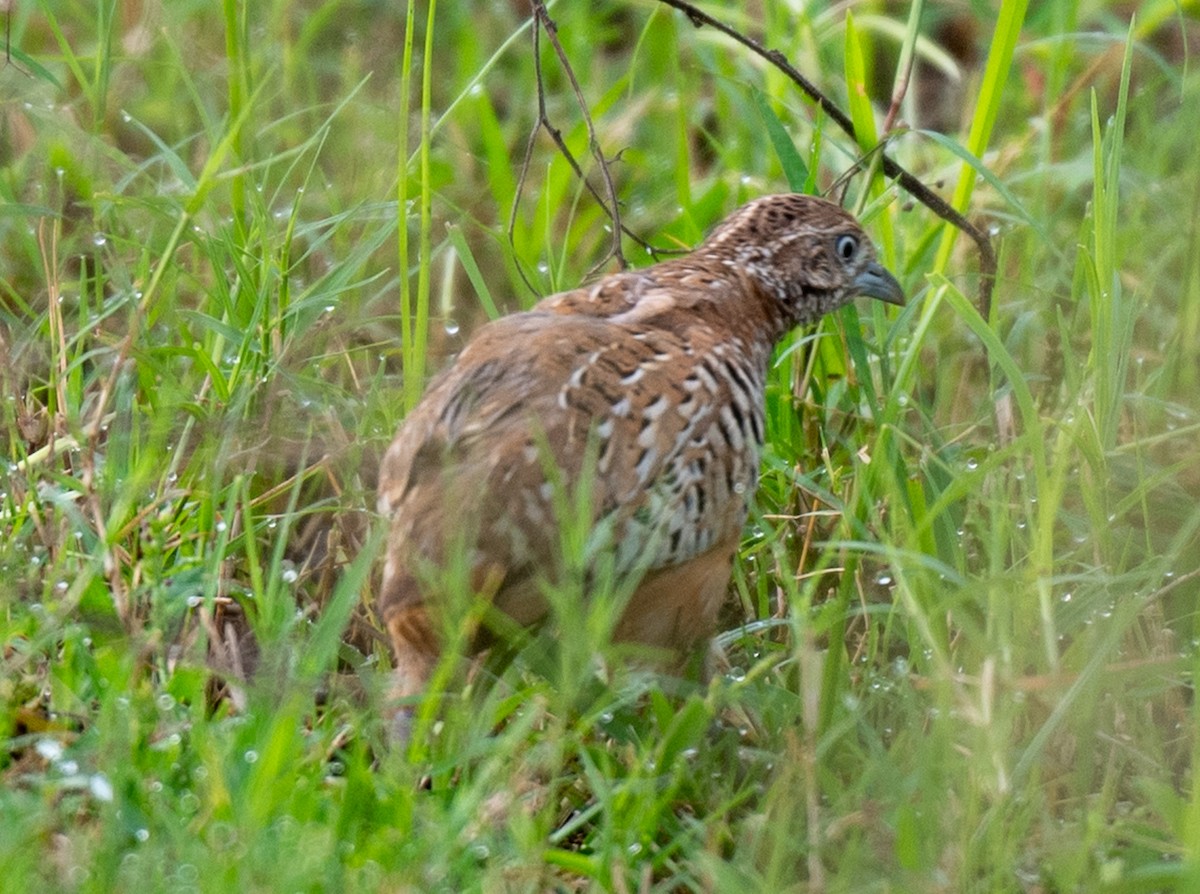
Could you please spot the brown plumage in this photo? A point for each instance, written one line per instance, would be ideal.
(649, 384)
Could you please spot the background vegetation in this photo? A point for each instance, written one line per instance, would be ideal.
(962, 649)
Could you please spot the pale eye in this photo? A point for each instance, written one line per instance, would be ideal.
(846, 246)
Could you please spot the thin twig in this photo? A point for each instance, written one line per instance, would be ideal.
(614, 209)
(918, 190)
(529, 144)
(6, 8)
(608, 202)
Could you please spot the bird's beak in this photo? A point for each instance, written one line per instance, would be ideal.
(877, 282)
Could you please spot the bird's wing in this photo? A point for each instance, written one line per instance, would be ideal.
(538, 403)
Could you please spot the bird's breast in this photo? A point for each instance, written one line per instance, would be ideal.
(698, 459)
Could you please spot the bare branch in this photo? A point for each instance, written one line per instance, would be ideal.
(608, 201)
(613, 207)
(918, 190)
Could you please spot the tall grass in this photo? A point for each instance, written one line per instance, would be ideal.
(961, 648)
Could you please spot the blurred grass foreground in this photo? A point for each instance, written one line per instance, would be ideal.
(961, 651)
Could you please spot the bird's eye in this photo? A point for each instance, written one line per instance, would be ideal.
(846, 246)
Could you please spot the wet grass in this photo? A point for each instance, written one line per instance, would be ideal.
(961, 649)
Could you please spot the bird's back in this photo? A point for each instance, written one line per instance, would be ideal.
(664, 424)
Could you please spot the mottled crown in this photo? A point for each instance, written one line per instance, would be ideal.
(806, 252)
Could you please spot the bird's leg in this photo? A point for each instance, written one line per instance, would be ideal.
(416, 648)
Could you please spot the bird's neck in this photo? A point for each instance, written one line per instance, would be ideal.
(728, 300)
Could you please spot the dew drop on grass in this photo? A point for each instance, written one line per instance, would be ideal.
(142, 835)
(251, 756)
(100, 787)
(452, 327)
(221, 526)
(187, 873)
(49, 749)
(289, 575)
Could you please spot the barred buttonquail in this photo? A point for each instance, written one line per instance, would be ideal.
(648, 384)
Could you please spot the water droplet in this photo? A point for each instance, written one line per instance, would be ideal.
(289, 575)
(251, 756)
(49, 749)
(100, 787)
(221, 526)
(99, 239)
(452, 327)
(142, 835)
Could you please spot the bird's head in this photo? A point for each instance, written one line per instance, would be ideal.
(808, 253)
